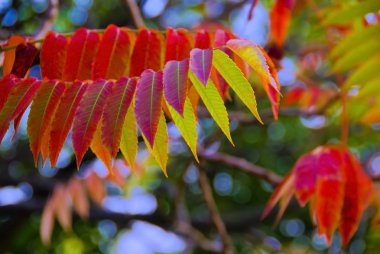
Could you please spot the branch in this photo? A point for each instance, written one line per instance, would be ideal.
(241, 164)
(215, 216)
(136, 14)
(49, 21)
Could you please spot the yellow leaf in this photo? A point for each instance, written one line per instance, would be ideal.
(160, 146)
(129, 142)
(186, 125)
(214, 103)
(253, 56)
(235, 78)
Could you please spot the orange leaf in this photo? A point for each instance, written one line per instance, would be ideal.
(10, 55)
(95, 188)
(79, 197)
(280, 16)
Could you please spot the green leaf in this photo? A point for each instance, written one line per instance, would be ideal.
(350, 12)
(186, 125)
(235, 78)
(365, 73)
(356, 38)
(213, 102)
(359, 55)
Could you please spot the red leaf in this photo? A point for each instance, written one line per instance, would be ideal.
(280, 16)
(202, 40)
(175, 83)
(88, 115)
(272, 92)
(305, 170)
(63, 118)
(357, 193)
(6, 85)
(53, 56)
(80, 55)
(177, 45)
(281, 190)
(18, 100)
(113, 54)
(220, 40)
(43, 107)
(114, 113)
(146, 52)
(200, 63)
(10, 55)
(148, 103)
(25, 55)
(329, 192)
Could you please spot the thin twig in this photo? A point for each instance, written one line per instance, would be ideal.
(241, 164)
(136, 14)
(215, 216)
(50, 19)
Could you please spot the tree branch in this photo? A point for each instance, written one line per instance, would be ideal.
(136, 14)
(215, 216)
(241, 164)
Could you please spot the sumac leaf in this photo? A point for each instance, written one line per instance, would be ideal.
(149, 95)
(88, 115)
(175, 83)
(53, 56)
(200, 64)
(146, 52)
(25, 55)
(177, 45)
(113, 54)
(18, 100)
(43, 107)
(80, 55)
(63, 118)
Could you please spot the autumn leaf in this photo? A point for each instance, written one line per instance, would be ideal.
(149, 95)
(88, 115)
(53, 56)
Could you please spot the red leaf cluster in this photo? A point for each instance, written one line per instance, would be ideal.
(338, 189)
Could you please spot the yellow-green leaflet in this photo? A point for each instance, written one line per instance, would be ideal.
(186, 125)
(351, 11)
(361, 54)
(128, 144)
(161, 144)
(357, 37)
(235, 78)
(365, 73)
(214, 103)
